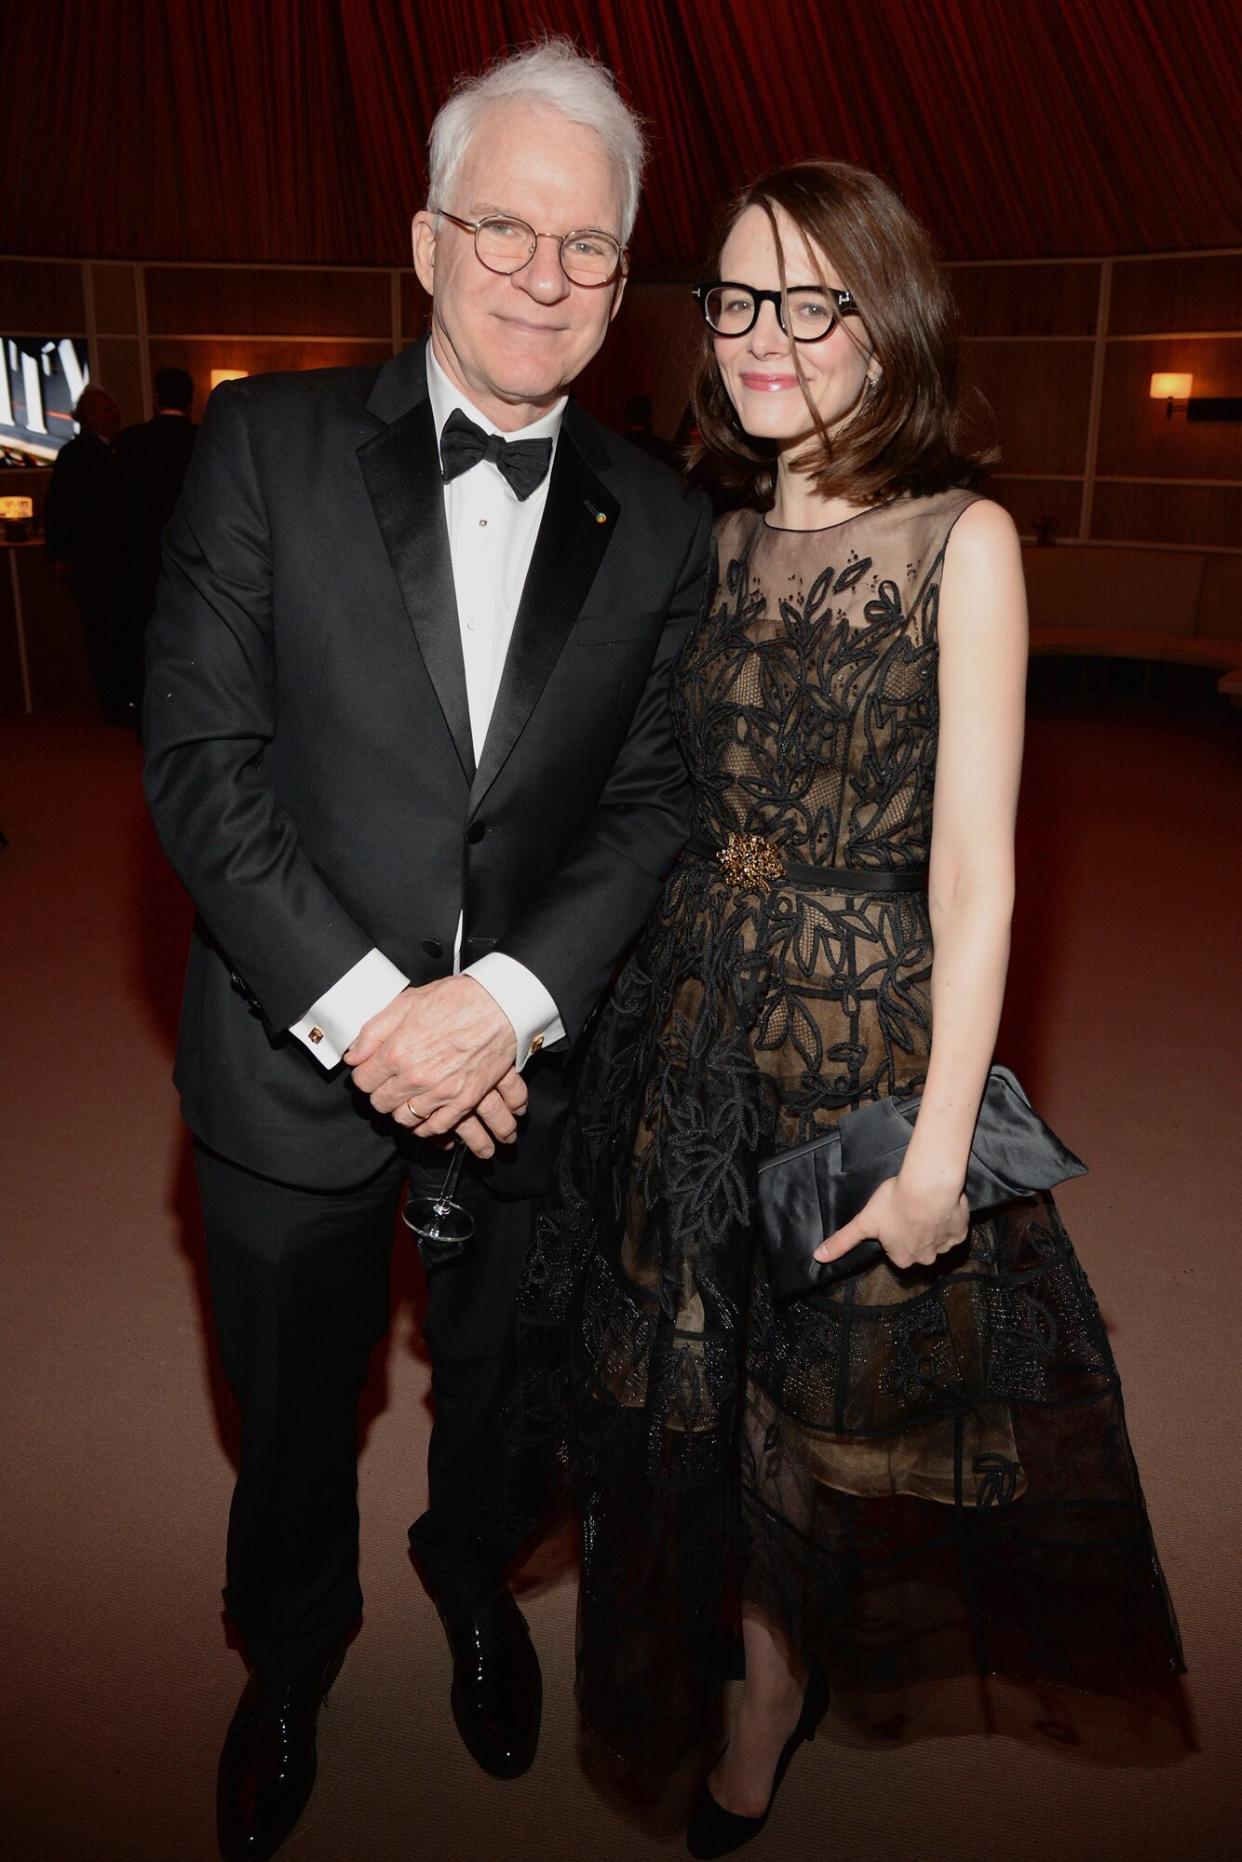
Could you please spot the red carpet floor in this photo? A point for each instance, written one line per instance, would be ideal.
(1125, 1019)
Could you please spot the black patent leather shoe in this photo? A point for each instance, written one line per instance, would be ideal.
(715, 1831)
(267, 1766)
(497, 1695)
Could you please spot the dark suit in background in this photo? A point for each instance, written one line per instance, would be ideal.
(85, 525)
(311, 773)
(155, 458)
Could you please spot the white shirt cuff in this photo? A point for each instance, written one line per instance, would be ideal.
(329, 1025)
(535, 1017)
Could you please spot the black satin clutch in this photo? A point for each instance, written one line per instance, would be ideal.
(814, 1189)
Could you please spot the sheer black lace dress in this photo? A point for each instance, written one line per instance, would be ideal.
(917, 1474)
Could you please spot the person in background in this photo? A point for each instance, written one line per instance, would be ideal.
(640, 431)
(155, 457)
(409, 747)
(85, 524)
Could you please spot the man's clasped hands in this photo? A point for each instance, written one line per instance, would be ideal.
(439, 1060)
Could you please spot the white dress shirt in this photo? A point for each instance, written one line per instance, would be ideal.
(491, 541)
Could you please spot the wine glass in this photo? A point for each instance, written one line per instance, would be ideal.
(440, 1223)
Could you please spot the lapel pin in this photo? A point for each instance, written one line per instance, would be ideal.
(601, 517)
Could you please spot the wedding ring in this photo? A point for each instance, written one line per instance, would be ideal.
(414, 1112)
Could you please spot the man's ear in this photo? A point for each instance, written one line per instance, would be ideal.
(618, 292)
(423, 244)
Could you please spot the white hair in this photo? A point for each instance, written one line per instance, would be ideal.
(554, 73)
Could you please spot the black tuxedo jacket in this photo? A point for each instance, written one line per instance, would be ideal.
(155, 458)
(309, 760)
(84, 512)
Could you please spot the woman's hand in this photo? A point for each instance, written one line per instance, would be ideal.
(912, 1224)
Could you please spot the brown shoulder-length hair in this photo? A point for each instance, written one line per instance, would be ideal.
(913, 431)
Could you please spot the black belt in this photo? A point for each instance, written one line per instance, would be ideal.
(756, 865)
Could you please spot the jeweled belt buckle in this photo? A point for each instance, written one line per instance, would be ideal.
(751, 861)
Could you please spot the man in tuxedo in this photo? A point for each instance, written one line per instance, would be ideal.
(409, 747)
(84, 520)
(155, 457)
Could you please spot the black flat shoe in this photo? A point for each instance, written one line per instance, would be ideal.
(497, 1695)
(715, 1831)
(267, 1766)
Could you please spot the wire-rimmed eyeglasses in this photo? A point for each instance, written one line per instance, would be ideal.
(588, 256)
(814, 309)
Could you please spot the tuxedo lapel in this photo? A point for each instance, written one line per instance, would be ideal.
(579, 519)
(401, 469)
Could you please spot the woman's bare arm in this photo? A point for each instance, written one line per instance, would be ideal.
(982, 681)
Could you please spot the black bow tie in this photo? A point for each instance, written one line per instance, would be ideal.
(523, 462)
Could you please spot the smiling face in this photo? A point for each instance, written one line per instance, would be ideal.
(758, 369)
(514, 343)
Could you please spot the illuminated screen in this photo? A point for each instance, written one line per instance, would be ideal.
(40, 382)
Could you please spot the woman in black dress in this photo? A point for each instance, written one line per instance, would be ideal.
(924, 1469)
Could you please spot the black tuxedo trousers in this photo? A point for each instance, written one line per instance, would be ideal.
(299, 1284)
(311, 774)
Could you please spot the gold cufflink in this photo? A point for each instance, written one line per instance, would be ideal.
(315, 1036)
(536, 1044)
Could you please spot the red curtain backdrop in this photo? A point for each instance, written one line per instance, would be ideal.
(293, 130)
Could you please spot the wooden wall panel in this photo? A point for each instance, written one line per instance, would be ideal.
(1208, 516)
(1029, 500)
(1188, 292)
(116, 301)
(1031, 348)
(122, 367)
(184, 301)
(1039, 393)
(1138, 439)
(1026, 300)
(258, 356)
(41, 297)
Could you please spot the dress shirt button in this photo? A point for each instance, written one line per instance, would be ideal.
(475, 833)
(470, 626)
(482, 523)
(433, 947)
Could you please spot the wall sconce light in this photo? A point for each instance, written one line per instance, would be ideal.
(219, 375)
(1171, 388)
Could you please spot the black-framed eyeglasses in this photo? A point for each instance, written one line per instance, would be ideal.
(588, 256)
(814, 309)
